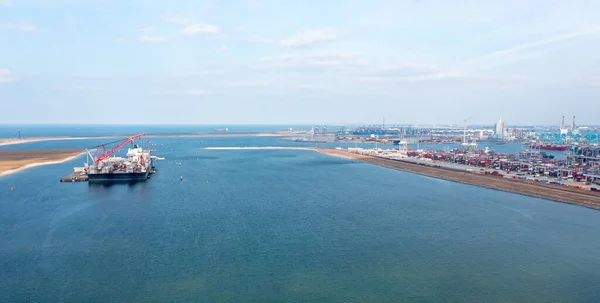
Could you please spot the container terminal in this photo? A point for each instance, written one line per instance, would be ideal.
(104, 167)
(580, 169)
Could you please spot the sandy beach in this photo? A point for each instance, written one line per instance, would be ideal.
(547, 191)
(12, 161)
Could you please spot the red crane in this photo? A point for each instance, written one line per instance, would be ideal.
(116, 148)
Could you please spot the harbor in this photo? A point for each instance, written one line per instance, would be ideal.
(571, 192)
(529, 164)
(559, 137)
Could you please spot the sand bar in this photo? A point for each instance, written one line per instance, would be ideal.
(558, 193)
(12, 141)
(12, 161)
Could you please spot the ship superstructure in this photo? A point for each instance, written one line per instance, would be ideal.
(137, 166)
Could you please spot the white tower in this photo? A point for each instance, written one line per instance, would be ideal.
(500, 128)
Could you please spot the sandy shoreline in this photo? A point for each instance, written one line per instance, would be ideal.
(4, 142)
(16, 161)
(535, 189)
(12, 141)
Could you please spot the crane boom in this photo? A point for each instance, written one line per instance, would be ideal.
(116, 148)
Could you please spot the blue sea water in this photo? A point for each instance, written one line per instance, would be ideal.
(285, 225)
(29, 130)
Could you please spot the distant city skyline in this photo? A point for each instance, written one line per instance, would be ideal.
(306, 62)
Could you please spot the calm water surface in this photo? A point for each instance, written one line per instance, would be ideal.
(283, 225)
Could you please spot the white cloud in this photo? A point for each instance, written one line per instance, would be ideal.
(5, 76)
(410, 69)
(193, 27)
(188, 92)
(198, 73)
(492, 33)
(199, 28)
(241, 29)
(438, 76)
(152, 39)
(5, 2)
(434, 74)
(321, 59)
(248, 84)
(224, 47)
(310, 37)
(21, 27)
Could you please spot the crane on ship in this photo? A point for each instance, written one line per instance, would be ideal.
(107, 153)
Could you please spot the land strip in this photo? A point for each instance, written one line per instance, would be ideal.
(12, 161)
(558, 193)
(12, 141)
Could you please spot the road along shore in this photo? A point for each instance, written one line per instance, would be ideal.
(552, 192)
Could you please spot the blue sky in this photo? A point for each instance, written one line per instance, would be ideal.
(297, 62)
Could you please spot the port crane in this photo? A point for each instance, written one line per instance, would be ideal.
(465, 130)
(105, 154)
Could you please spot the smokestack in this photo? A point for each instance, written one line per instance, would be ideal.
(562, 124)
(573, 124)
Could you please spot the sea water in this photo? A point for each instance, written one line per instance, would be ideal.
(285, 226)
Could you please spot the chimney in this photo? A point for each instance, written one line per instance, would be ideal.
(573, 124)
(562, 124)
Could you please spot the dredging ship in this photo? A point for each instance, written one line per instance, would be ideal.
(137, 166)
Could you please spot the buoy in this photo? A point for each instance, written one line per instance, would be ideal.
(181, 178)
(12, 188)
(206, 181)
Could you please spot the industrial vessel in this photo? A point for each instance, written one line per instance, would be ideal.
(550, 147)
(137, 166)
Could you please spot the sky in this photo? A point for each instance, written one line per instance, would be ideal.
(299, 62)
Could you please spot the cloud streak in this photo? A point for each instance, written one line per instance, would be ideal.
(191, 27)
(21, 27)
(515, 50)
(5, 76)
(184, 92)
(328, 59)
(310, 37)
(78, 88)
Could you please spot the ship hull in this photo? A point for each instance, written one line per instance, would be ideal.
(551, 147)
(117, 177)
